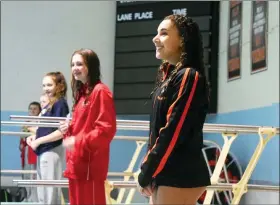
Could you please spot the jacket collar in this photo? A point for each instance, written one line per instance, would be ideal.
(84, 89)
(167, 70)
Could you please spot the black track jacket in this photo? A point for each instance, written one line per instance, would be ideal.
(174, 156)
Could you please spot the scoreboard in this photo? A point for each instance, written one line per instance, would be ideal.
(135, 62)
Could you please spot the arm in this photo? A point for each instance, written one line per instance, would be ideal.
(22, 144)
(177, 115)
(104, 125)
(52, 137)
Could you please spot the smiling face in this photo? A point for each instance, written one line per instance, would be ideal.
(79, 68)
(48, 85)
(168, 42)
(33, 110)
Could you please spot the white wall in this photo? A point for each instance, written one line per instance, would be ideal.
(39, 36)
(250, 91)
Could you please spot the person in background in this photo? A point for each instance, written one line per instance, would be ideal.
(174, 170)
(34, 109)
(88, 138)
(44, 102)
(47, 142)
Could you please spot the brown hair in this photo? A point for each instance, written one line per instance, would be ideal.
(36, 104)
(192, 49)
(60, 89)
(92, 63)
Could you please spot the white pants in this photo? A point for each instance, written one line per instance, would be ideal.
(49, 167)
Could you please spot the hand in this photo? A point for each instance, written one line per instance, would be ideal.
(30, 139)
(32, 129)
(24, 129)
(63, 127)
(69, 142)
(34, 144)
(146, 191)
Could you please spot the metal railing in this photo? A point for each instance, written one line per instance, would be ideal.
(228, 132)
(133, 184)
(133, 125)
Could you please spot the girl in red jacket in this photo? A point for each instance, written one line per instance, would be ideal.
(87, 138)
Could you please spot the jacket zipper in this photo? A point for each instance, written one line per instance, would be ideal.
(88, 166)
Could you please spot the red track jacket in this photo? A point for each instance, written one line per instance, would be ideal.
(94, 126)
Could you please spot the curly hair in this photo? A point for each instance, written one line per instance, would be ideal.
(92, 63)
(192, 49)
(60, 86)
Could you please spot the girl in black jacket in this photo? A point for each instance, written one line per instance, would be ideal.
(174, 170)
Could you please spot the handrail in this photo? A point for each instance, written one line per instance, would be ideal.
(133, 184)
(208, 128)
(27, 134)
(134, 122)
(144, 123)
(110, 174)
(56, 125)
(228, 132)
(59, 119)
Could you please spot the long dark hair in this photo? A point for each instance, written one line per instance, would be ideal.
(92, 63)
(192, 49)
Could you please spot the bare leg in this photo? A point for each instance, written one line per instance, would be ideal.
(172, 195)
(153, 198)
